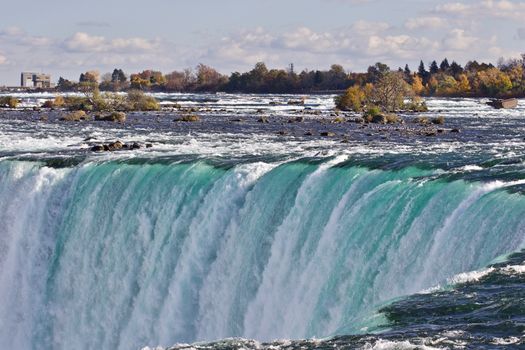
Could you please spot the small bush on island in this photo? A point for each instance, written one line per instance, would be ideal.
(77, 103)
(75, 116)
(353, 99)
(57, 102)
(393, 119)
(48, 104)
(438, 120)
(421, 120)
(94, 101)
(416, 104)
(112, 117)
(138, 101)
(189, 118)
(9, 102)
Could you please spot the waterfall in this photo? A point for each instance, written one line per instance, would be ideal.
(117, 255)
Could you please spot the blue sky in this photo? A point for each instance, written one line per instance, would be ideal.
(66, 38)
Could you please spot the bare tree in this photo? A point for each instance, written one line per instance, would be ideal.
(390, 91)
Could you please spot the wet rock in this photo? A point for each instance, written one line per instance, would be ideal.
(438, 120)
(44, 118)
(282, 133)
(327, 134)
(98, 148)
(308, 133)
(75, 116)
(149, 145)
(188, 118)
(296, 120)
(263, 120)
(358, 120)
(379, 119)
(115, 146)
(421, 120)
(119, 117)
(455, 130)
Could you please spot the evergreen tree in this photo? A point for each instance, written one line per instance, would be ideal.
(444, 66)
(455, 69)
(118, 76)
(434, 69)
(407, 70)
(422, 72)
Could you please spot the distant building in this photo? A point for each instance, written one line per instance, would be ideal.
(35, 80)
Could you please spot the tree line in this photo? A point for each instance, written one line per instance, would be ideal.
(447, 79)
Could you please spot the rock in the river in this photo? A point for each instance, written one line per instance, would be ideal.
(112, 117)
(327, 134)
(115, 146)
(189, 118)
(75, 116)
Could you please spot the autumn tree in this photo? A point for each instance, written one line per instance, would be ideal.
(390, 92)
(208, 79)
(464, 84)
(352, 100)
(447, 85)
(417, 85)
(493, 82)
(377, 71)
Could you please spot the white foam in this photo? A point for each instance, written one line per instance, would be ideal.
(471, 168)
(514, 269)
(472, 276)
(397, 345)
(506, 341)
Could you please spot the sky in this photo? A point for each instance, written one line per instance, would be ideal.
(67, 37)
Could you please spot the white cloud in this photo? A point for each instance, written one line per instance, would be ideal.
(503, 9)
(368, 27)
(83, 42)
(430, 22)
(364, 43)
(459, 40)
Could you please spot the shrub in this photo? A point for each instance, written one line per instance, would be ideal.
(138, 101)
(75, 116)
(77, 103)
(112, 117)
(9, 102)
(352, 100)
(190, 118)
(59, 101)
(48, 104)
(438, 120)
(373, 111)
(392, 118)
(416, 104)
(421, 120)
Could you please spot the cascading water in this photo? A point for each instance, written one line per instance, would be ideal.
(117, 255)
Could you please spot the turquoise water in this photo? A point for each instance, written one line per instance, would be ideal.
(119, 255)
